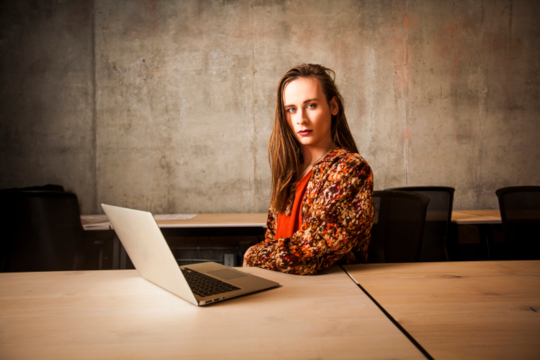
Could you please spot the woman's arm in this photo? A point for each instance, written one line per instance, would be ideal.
(338, 221)
(271, 225)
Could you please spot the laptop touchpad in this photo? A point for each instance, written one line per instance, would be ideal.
(227, 274)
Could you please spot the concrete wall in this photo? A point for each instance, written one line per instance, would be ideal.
(168, 105)
(47, 119)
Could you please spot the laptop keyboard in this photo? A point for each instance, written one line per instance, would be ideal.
(204, 285)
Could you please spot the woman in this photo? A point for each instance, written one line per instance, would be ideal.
(321, 210)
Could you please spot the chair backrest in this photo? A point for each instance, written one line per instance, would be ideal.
(438, 218)
(520, 214)
(48, 187)
(396, 235)
(43, 231)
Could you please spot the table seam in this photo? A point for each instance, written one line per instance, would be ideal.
(391, 318)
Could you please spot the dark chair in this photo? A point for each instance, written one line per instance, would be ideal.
(48, 187)
(41, 231)
(520, 213)
(438, 218)
(398, 228)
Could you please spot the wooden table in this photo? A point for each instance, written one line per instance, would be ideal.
(100, 222)
(483, 220)
(461, 310)
(474, 217)
(206, 223)
(117, 314)
(234, 223)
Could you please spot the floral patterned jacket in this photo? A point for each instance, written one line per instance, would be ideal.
(337, 215)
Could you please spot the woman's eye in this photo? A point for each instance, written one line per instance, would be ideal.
(312, 106)
(291, 110)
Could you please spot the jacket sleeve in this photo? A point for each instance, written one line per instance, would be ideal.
(338, 221)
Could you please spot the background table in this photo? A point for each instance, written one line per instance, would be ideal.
(461, 310)
(212, 226)
(117, 314)
(252, 225)
(482, 227)
(100, 222)
(467, 217)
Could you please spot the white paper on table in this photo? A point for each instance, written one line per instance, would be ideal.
(174, 216)
(95, 221)
(97, 225)
(95, 218)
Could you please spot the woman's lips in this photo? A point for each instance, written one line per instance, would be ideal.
(304, 132)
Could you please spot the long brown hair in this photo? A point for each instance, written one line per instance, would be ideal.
(284, 151)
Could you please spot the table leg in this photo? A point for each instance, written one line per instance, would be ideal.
(119, 254)
(116, 252)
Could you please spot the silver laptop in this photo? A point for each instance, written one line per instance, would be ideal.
(199, 284)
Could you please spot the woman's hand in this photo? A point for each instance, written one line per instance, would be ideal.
(246, 255)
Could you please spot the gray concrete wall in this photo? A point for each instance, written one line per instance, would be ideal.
(47, 120)
(168, 105)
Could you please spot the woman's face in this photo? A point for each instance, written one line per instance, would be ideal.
(309, 114)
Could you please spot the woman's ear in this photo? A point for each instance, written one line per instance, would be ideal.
(334, 107)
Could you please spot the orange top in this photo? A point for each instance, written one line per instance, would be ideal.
(287, 225)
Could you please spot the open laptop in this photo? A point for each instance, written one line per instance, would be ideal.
(199, 284)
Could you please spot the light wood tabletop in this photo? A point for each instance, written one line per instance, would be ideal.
(117, 314)
(218, 220)
(472, 217)
(461, 310)
(101, 222)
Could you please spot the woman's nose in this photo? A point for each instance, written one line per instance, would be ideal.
(302, 117)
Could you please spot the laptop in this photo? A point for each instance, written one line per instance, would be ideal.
(200, 284)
